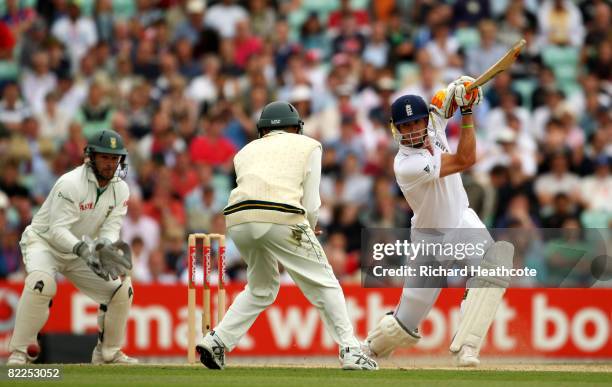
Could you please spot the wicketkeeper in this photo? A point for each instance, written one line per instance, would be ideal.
(428, 174)
(76, 233)
(271, 217)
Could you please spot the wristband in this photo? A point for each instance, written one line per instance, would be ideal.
(77, 247)
(467, 126)
(466, 111)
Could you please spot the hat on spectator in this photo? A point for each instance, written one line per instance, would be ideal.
(385, 84)
(300, 93)
(196, 6)
(506, 136)
(344, 90)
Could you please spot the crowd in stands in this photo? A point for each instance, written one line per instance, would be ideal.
(184, 81)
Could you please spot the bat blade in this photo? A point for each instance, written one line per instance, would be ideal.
(501, 65)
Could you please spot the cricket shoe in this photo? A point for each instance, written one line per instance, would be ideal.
(467, 357)
(355, 359)
(212, 351)
(118, 358)
(18, 358)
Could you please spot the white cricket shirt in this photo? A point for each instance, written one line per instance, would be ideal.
(436, 202)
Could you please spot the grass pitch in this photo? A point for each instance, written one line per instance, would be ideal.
(162, 375)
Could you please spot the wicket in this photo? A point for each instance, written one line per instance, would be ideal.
(191, 287)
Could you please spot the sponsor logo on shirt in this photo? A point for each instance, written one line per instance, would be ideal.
(441, 146)
(426, 169)
(86, 206)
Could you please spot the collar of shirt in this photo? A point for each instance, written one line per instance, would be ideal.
(274, 133)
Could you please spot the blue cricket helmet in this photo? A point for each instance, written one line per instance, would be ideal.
(408, 108)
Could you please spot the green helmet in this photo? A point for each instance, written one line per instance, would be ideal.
(279, 114)
(105, 141)
(109, 142)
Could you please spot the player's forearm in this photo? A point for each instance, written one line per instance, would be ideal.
(62, 239)
(466, 149)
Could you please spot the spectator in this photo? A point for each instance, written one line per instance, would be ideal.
(480, 58)
(158, 272)
(246, 44)
(469, 13)
(224, 16)
(558, 180)
(262, 18)
(595, 191)
(76, 32)
(337, 17)
(560, 23)
(213, 147)
(562, 209)
(53, 121)
(96, 112)
(38, 81)
(377, 48)
(140, 260)
(312, 35)
(191, 28)
(350, 39)
(138, 225)
(12, 109)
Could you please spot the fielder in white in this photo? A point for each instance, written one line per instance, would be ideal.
(271, 216)
(428, 175)
(86, 203)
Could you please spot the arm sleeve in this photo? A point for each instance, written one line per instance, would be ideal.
(311, 199)
(112, 225)
(63, 213)
(417, 169)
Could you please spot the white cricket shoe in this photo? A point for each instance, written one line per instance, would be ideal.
(356, 359)
(212, 351)
(118, 358)
(18, 358)
(467, 357)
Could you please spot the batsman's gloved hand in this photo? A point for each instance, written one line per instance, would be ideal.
(85, 250)
(116, 258)
(464, 99)
(444, 101)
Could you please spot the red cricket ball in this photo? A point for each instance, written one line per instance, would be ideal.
(33, 350)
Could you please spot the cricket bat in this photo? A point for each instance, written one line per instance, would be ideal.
(501, 65)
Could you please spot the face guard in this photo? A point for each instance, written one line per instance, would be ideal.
(414, 139)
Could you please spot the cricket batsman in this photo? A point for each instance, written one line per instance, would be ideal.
(429, 176)
(271, 216)
(76, 233)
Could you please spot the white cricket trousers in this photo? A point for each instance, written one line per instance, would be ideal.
(263, 246)
(415, 302)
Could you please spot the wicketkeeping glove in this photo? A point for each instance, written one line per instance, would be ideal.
(85, 250)
(115, 258)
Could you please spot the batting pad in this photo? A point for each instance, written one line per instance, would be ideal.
(484, 296)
